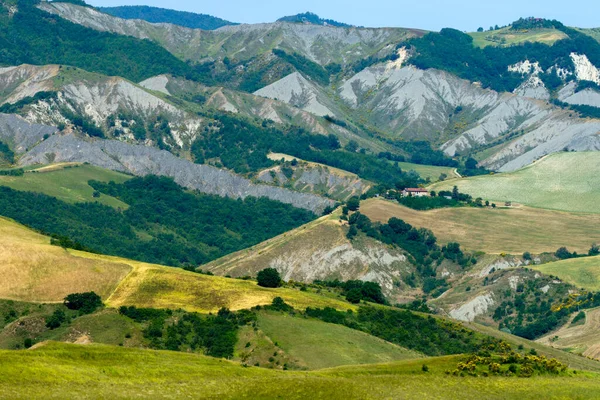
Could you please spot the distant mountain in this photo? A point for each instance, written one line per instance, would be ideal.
(314, 19)
(158, 15)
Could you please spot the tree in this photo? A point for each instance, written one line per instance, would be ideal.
(56, 319)
(563, 253)
(352, 232)
(354, 296)
(480, 29)
(353, 204)
(352, 146)
(471, 163)
(527, 256)
(86, 303)
(269, 278)
(455, 193)
(594, 250)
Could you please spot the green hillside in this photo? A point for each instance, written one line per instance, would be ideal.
(102, 371)
(580, 272)
(67, 182)
(317, 345)
(561, 181)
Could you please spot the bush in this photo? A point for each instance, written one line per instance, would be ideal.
(269, 278)
(86, 303)
(56, 319)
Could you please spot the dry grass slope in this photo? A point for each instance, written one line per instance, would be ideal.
(497, 231)
(33, 270)
(581, 339)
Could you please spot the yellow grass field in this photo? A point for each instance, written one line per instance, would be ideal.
(497, 231)
(35, 271)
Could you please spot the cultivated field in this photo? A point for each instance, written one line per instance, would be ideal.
(546, 36)
(71, 371)
(581, 339)
(497, 231)
(315, 344)
(67, 182)
(562, 181)
(33, 270)
(581, 272)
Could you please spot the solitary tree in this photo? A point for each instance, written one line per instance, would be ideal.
(269, 277)
(595, 250)
(353, 204)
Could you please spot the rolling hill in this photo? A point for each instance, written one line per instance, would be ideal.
(580, 272)
(502, 230)
(48, 273)
(563, 181)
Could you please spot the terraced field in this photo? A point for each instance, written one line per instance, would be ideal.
(512, 231)
(562, 181)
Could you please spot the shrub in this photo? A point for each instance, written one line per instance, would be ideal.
(56, 319)
(269, 278)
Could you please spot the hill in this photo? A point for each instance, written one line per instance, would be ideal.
(319, 250)
(68, 369)
(162, 15)
(48, 273)
(563, 181)
(501, 230)
(314, 19)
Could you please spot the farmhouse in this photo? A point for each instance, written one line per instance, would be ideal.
(415, 192)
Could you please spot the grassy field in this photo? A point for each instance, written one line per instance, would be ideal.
(546, 36)
(67, 182)
(562, 181)
(497, 231)
(428, 171)
(581, 339)
(315, 344)
(33, 270)
(593, 32)
(580, 272)
(94, 372)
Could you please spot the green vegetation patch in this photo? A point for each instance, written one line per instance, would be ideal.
(580, 272)
(563, 181)
(67, 183)
(316, 344)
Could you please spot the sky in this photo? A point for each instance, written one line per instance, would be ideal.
(466, 15)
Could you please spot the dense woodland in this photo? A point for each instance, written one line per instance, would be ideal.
(162, 15)
(164, 224)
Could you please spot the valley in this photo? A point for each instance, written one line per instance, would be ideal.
(196, 207)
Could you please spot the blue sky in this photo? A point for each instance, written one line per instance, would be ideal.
(426, 14)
